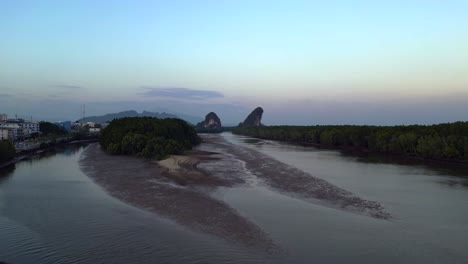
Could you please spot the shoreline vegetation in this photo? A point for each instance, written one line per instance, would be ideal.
(44, 147)
(148, 137)
(50, 136)
(442, 142)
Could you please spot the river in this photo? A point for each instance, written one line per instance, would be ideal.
(51, 212)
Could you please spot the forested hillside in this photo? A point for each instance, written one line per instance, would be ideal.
(131, 113)
(442, 141)
(148, 137)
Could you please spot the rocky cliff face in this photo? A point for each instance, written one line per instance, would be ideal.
(254, 119)
(211, 122)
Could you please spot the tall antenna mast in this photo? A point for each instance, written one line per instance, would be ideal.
(83, 111)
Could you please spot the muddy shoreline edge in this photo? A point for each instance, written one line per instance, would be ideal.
(147, 185)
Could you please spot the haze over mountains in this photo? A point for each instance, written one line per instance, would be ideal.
(211, 121)
(365, 63)
(132, 113)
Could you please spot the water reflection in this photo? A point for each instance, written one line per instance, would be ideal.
(455, 183)
(50, 212)
(6, 172)
(427, 198)
(430, 167)
(69, 150)
(65, 150)
(252, 140)
(435, 167)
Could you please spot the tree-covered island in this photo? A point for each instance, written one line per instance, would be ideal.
(148, 137)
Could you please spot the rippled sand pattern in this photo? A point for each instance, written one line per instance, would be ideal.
(142, 183)
(294, 182)
(179, 188)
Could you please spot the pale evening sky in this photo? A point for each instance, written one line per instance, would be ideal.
(304, 62)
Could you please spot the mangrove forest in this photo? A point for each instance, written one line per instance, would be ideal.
(442, 141)
(148, 137)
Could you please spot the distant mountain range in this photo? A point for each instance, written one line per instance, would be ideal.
(132, 113)
(189, 118)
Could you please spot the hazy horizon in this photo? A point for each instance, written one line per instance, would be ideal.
(304, 62)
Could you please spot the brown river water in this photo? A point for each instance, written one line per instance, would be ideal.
(284, 204)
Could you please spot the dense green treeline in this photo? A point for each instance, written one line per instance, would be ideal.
(148, 137)
(7, 150)
(207, 130)
(48, 128)
(442, 141)
(213, 131)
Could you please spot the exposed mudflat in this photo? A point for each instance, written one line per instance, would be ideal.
(144, 184)
(179, 188)
(294, 182)
(184, 170)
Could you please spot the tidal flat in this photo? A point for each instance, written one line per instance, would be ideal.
(180, 187)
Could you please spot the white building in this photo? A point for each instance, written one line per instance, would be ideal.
(29, 127)
(94, 130)
(3, 117)
(14, 130)
(3, 134)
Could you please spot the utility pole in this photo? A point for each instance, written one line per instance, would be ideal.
(83, 112)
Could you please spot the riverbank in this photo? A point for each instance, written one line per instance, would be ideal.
(51, 212)
(26, 154)
(445, 142)
(359, 151)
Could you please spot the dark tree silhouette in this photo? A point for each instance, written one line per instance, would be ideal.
(442, 141)
(148, 137)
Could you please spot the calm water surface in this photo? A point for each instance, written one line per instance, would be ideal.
(50, 212)
(429, 203)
